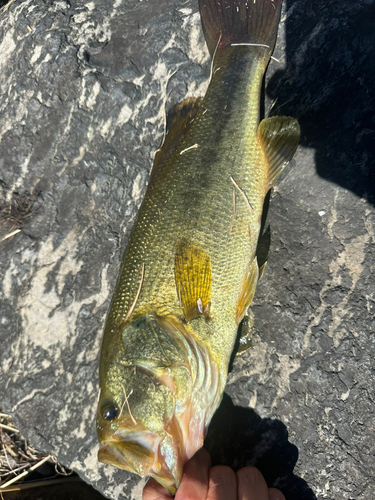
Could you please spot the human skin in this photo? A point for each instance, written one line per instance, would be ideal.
(201, 482)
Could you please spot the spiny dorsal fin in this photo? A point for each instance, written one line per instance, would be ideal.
(193, 279)
(179, 121)
(248, 290)
(279, 136)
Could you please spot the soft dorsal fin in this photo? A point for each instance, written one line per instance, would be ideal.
(179, 121)
(193, 279)
(279, 136)
(248, 289)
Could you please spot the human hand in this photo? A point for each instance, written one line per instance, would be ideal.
(201, 482)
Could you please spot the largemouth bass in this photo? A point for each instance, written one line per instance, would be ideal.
(190, 269)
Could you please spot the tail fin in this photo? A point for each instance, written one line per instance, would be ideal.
(240, 22)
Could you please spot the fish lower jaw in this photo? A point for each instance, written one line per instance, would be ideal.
(137, 453)
(145, 458)
(162, 457)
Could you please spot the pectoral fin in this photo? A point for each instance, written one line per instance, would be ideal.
(193, 279)
(279, 136)
(248, 290)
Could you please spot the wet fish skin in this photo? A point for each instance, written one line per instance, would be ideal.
(190, 269)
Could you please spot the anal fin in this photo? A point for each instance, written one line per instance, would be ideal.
(279, 136)
(193, 279)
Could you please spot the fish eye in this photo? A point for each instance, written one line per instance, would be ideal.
(110, 412)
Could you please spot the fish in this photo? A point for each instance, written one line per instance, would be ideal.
(190, 269)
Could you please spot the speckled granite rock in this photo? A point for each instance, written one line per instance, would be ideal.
(83, 91)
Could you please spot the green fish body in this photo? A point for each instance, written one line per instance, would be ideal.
(190, 269)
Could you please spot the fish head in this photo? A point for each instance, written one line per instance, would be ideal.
(146, 422)
(132, 424)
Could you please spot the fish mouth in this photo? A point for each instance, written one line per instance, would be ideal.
(142, 455)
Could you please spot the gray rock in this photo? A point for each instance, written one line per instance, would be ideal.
(84, 88)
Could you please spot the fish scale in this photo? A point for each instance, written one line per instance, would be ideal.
(211, 201)
(190, 269)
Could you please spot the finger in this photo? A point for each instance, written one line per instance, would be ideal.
(222, 484)
(275, 494)
(251, 484)
(194, 484)
(155, 491)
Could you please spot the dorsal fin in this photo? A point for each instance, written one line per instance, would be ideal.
(279, 136)
(193, 279)
(179, 121)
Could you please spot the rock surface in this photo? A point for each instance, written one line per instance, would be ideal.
(84, 86)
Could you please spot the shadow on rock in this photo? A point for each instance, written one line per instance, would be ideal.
(328, 85)
(238, 437)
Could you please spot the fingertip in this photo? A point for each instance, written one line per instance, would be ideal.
(251, 475)
(194, 483)
(222, 483)
(155, 491)
(203, 458)
(251, 484)
(198, 464)
(220, 472)
(275, 494)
